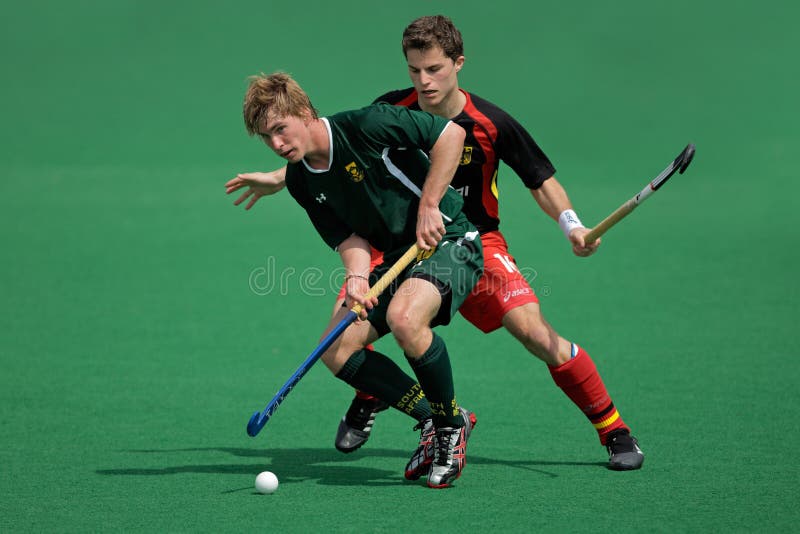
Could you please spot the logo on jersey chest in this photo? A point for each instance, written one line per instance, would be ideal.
(466, 155)
(425, 254)
(355, 173)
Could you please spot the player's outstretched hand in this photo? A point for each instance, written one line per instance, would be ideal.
(258, 184)
(579, 246)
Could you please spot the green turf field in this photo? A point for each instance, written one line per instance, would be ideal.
(138, 329)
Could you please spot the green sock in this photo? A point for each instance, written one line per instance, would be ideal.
(436, 376)
(376, 374)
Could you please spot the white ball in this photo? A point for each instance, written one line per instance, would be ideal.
(266, 482)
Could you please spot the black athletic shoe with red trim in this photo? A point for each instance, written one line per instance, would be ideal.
(624, 453)
(356, 425)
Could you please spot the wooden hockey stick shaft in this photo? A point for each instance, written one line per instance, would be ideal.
(679, 164)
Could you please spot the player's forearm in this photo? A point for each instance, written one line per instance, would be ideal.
(552, 198)
(280, 177)
(445, 156)
(356, 255)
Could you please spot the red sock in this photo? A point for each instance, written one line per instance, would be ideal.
(361, 394)
(579, 379)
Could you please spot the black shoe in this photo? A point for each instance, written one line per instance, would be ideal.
(356, 425)
(624, 453)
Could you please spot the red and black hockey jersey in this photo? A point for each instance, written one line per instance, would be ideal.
(492, 135)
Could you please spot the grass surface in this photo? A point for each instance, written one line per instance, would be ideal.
(138, 331)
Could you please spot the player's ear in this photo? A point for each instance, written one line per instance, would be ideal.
(459, 62)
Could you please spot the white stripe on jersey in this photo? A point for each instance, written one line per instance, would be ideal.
(400, 175)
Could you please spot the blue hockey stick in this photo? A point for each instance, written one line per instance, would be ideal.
(259, 419)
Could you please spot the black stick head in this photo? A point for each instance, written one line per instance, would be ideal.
(679, 164)
(685, 158)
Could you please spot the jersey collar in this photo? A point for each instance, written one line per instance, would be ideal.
(330, 150)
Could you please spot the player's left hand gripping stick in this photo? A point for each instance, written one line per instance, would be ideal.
(259, 419)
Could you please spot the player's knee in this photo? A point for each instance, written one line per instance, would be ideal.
(337, 355)
(400, 322)
(537, 338)
(405, 327)
(332, 362)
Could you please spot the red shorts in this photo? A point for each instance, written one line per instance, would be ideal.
(501, 288)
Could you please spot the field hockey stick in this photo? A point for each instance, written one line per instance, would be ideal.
(679, 164)
(259, 419)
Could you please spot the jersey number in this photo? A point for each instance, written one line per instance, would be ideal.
(507, 263)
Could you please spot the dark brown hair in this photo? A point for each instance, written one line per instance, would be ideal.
(426, 32)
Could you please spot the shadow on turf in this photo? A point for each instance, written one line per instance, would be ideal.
(303, 464)
(314, 464)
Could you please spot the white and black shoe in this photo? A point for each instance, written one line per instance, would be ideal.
(421, 460)
(450, 452)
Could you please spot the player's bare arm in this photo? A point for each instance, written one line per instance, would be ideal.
(444, 155)
(553, 199)
(259, 184)
(356, 255)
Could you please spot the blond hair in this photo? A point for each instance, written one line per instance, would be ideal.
(274, 94)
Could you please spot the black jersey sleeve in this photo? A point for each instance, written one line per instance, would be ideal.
(385, 97)
(328, 225)
(518, 150)
(515, 146)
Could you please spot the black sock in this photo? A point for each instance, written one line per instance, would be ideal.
(436, 376)
(376, 374)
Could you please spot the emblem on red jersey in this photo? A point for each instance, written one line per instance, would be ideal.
(356, 174)
(466, 155)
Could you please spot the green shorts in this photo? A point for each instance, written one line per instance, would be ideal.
(454, 267)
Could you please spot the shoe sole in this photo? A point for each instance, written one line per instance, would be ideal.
(352, 449)
(633, 466)
(442, 486)
(447, 484)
